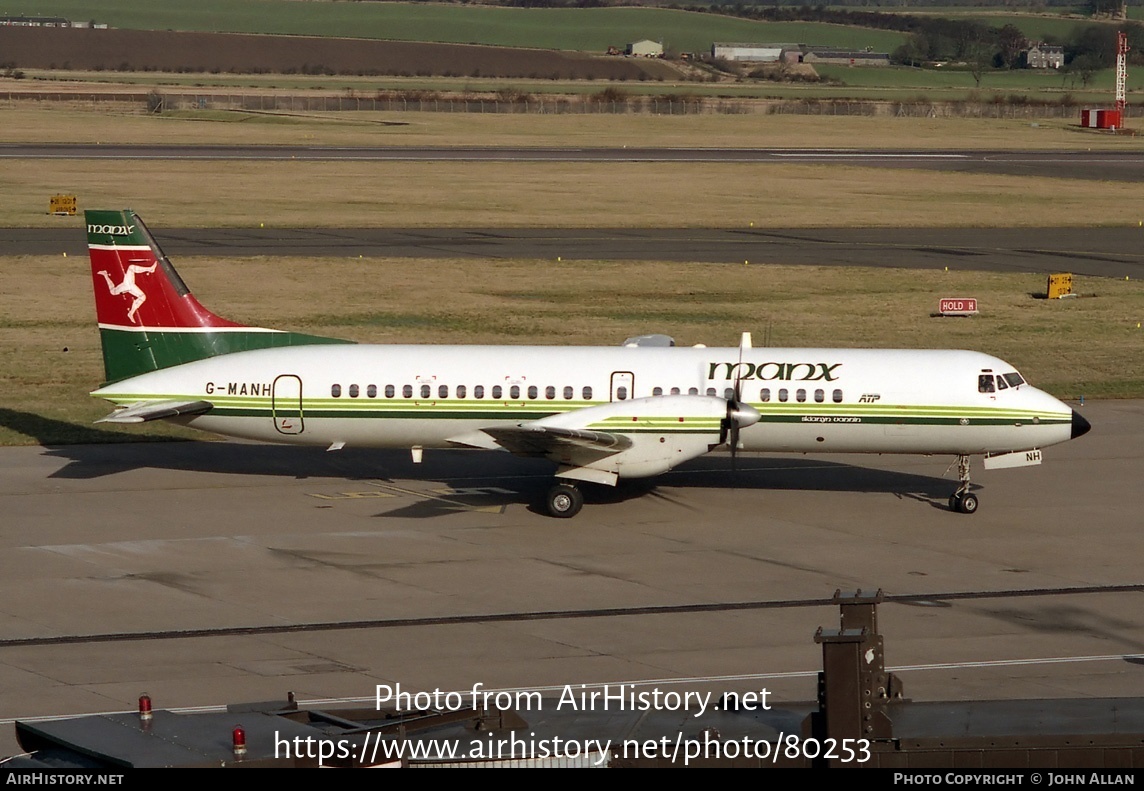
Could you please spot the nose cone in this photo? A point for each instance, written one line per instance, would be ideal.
(746, 415)
(1080, 426)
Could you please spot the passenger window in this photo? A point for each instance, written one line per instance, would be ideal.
(389, 391)
(354, 391)
(514, 392)
(532, 391)
(550, 392)
(675, 391)
(710, 391)
(693, 391)
(443, 391)
(497, 391)
(985, 383)
(587, 393)
(426, 391)
(407, 391)
(728, 393)
(621, 393)
(800, 395)
(765, 394)
(819, 396)
(336, 391)
(461, 391)
(837, 396)
(371, 391)
(568, 392)
(479, 391)
(657, 391)
(783, 395)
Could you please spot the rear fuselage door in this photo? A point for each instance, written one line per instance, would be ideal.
(286, 404)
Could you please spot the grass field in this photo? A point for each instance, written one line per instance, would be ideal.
(63, 124)
(1034, 24)
(480, 194)
(589, 29)
(1089, 346)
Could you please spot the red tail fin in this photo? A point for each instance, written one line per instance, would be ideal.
(135, 285)
(148, 318)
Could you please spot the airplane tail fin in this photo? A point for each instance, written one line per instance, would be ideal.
(148, 318)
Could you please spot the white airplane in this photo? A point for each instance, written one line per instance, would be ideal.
(601, 414)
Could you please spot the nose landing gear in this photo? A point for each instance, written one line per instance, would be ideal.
(962, 500)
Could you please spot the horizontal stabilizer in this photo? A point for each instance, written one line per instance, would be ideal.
(156, 410)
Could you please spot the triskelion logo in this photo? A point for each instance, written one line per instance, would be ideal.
(128, 286)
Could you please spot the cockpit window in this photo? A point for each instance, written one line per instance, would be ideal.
(985, 383)
(1014, 379)
(1001, 383)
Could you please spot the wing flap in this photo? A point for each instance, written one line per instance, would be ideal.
(531, 439)
(156, 410)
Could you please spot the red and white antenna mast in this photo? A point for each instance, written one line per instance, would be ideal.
(1121, 70)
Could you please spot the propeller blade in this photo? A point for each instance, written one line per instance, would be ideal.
(737, 416)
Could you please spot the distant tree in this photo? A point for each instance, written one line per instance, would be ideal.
(1095, 43)
(1085, 67)
(980, 59)
(1011, 43)
(914, 52)
(1103, 7)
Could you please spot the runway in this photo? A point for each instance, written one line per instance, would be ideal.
(1103, 252)
(206, 573)
(1101, 165)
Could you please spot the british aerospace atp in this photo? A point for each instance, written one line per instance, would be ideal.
(599, 413)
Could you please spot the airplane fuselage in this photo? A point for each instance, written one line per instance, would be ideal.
(809, 400)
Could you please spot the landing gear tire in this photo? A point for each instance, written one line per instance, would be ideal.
(954, 503)
(564, 501)
(967, 503)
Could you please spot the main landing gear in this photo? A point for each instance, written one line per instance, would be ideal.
(962, 500)
(564, 500)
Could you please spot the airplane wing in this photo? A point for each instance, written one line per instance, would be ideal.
(632, 439)
(534, 439)
(155, 410)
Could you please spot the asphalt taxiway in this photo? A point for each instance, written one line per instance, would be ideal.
(1104, 252)
(1101, 165)
(206, 573)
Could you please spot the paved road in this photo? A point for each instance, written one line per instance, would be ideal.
(106, 539)
(1103, 252)
(1071, 164)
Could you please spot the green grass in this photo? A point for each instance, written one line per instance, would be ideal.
(1035, 24)
(591, 29)
(1023, 81)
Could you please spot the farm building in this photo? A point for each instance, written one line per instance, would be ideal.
(646, 49)
(845, 57)
(753, 53)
